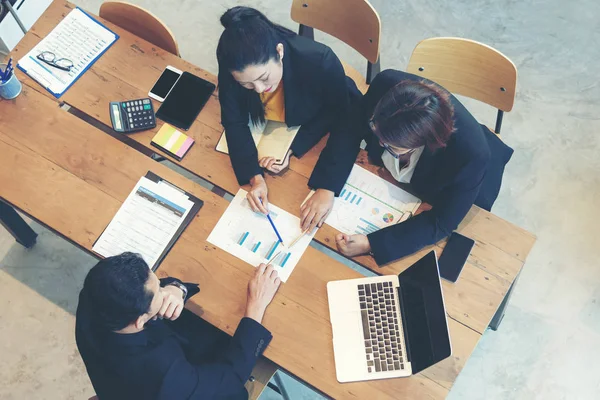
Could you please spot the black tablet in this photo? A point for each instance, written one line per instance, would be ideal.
(184, 102)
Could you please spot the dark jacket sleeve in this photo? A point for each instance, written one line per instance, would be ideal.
(341, 97)
(448, 210)
(226, 376)
(242, 150)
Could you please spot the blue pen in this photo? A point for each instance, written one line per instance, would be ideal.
(9, 64)
(275, 229)
(8, 74)
(5, 74)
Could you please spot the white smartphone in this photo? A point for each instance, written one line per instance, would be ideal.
(165, 83)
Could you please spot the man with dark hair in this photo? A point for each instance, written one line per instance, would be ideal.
(138, 342)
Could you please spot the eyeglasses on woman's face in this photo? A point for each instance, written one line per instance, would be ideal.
(396, 152)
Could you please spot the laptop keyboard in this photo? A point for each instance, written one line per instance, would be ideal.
(380, 327)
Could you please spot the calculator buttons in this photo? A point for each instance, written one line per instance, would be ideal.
(133, 115)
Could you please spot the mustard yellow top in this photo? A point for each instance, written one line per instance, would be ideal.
(274, 104)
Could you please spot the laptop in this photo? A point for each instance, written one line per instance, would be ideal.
(389, 326)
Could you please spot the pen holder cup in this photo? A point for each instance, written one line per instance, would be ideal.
(11, 88)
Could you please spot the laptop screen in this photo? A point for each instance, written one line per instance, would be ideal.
(424, 313)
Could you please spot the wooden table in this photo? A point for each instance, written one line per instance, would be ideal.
(303, 348)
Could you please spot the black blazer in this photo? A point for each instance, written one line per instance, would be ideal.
(160, 363)
(467, 171)
(317, 96)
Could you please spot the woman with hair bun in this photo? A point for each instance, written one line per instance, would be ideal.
(267, 72)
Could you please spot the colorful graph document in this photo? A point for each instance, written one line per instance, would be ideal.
(249, 236)
(368, 203)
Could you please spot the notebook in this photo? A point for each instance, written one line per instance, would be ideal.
(78, 38)
(272, 139)
(172, 142)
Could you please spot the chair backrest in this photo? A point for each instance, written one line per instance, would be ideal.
(468, 68)
(354, 22)
(140, 22)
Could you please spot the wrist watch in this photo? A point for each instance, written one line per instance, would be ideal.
(180, 286)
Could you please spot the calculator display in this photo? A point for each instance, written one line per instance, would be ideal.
(117, 117)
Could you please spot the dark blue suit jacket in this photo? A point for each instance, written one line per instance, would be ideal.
(467, 171)
(318, 96)
(165, 362)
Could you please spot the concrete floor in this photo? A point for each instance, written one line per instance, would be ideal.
(549, 342)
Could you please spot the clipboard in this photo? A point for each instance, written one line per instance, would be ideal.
(25, 63)
(197, 205)
(193, 211)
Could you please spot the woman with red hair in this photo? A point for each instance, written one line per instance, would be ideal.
(426, 138)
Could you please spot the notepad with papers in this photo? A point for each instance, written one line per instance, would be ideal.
(272, 139)
(78, 38)
(149, 221)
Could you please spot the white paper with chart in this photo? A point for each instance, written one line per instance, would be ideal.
(250, 237)
(78, 38)
(368, 203)
(146, 222)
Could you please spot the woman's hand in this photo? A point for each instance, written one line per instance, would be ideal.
(257, 196)
(352, 245)
(316, 209)
(268, 163)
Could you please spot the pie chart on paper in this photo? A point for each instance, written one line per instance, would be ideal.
(387, 218)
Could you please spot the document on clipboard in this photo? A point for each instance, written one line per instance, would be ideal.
(75, 43)
(149, 222)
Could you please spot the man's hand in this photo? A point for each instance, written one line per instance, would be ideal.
(352, 245)
(261, 290)
(172, 305)
(316, 209)
(257, 196)
(268, 163)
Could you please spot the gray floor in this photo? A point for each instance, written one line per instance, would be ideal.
(549, 343)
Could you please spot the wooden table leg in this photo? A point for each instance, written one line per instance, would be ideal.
(17, 227)
(497, 319)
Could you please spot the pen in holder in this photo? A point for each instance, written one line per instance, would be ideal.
(12, 87)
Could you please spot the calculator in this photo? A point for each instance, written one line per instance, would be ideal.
(132, 115)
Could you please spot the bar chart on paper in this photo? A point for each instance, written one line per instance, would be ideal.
(368, 203)
(265, 248)
(250, 237)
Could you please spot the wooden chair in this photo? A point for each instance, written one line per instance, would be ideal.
(140, 22)
(262, 373)
(468, 68)
(354, 22)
